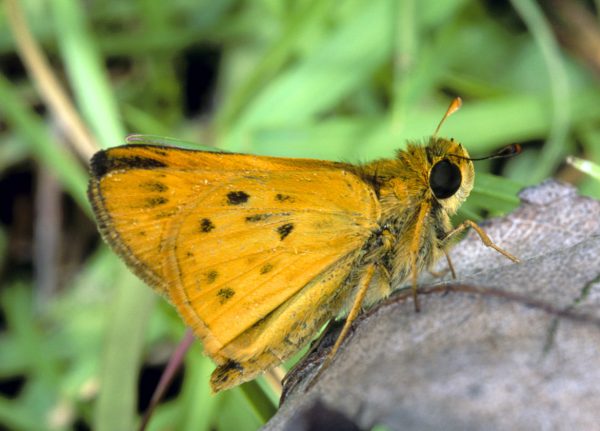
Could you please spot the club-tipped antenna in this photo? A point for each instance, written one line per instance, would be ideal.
(454, 106)
(508, 151)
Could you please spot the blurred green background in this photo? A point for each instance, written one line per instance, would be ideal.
(82, 342)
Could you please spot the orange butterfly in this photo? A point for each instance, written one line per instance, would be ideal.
(257, 253)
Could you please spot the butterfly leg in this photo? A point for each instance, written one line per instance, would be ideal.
(483, 236)
(361, 292)
(450, 268)
(415, 289)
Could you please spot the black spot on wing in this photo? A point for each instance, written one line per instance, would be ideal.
(237, 198)
(224, 294)
(231, 365)
(99, 165)
(258, 217)
(254, 218)
(280, 197)
(103, 162)
(206, 225)
(284, 230)
(266, 268)
(155, 201)
(229, 369)
(211, 276)
(137, 162)
(154, 186)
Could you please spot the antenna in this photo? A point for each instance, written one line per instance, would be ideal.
(508, 151)
(454, 106)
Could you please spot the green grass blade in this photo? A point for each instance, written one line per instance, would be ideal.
(542, 33)
(323, 78)
(42, 145)
(87, 76)
(168, 142)
(261, 403)
(275, 57)
(585, 166)
(116, 406)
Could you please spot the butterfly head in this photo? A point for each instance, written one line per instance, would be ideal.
(451, 172)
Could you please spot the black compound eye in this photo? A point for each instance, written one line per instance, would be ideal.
(444, 179)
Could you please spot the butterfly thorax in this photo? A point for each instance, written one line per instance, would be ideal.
(418, 192)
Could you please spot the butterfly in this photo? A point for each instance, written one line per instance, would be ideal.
(258, 253)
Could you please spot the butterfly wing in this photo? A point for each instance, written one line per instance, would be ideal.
(286, 329)
(230, 238)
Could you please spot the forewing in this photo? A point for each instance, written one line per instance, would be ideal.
(228, 237)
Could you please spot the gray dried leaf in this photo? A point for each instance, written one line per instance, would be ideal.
(477, 360)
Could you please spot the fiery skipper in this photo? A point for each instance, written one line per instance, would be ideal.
(257, 253)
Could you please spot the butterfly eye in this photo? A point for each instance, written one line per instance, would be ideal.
(444, 179)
